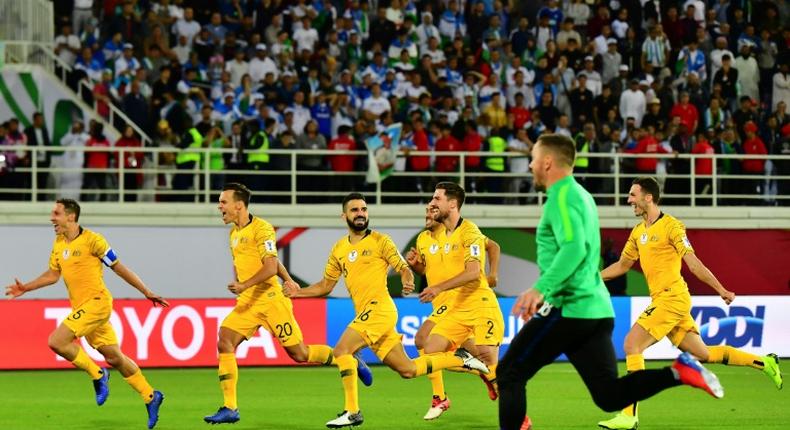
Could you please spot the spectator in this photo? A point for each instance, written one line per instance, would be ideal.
(187, 27)
(67, 45)
(753, 145)
(633, 102)
(781, 89)
(132, 162)
(38, 135)
(343, 163)
(703, 169)
(687, 112)
(98, 178)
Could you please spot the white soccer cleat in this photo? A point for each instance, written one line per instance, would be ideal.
(346, 419)
(438, 406)
(470, 361)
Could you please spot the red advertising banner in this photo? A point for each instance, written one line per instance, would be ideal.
(185, 334)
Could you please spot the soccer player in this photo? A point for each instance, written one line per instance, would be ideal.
(260, 300)
(659, 242)
(363, 258)
(474, 307)
(78, 255)
(427, 259)
(568, 309)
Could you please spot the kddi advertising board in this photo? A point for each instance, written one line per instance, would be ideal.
(758, 324)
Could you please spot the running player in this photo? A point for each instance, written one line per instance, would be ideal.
(426, 259)
(475, 309)
(363, 258)
(569, 310)
(260, 300)
(659, 242)
(78, 255)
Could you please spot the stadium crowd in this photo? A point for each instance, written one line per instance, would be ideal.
(634, 76)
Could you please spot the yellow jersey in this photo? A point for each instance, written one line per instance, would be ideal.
(660, 250)
(364, 266)
(249, 246)
(80, 263)
(465, 244)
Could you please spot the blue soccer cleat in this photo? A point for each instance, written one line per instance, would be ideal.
(689, 371)
(363, 371)
(102, 387)
(153, 408)
(224, 415)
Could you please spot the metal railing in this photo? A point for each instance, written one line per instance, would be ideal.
(42, 54)
(158, 178)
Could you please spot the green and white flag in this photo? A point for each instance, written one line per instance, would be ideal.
(383, 150)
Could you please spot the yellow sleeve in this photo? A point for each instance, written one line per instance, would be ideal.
(474, 244)
(679, 240)
(266, 241)
(391, 254)
(630, 250)
(53, 261)
(333, 269)
(100, 249)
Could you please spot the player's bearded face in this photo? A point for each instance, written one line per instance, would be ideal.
(430, 214)
(357, 222)
(637, 200)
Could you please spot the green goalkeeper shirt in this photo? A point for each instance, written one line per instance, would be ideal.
(569, 252)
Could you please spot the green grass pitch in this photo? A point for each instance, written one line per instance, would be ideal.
(305, 398)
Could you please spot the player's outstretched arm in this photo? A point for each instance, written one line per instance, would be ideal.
(18, 288)
(493, 251)
(288, 282)
(470, 273)
(319, 289)
(413, 258)
(407, 280)
(270, 268)
(132, 279)
(705, 275)
(617, 269)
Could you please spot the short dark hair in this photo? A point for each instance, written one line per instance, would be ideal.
(453, 191)
(352, 196)
(561, 146)
(240, 192)
(71, 207)
(650, 186)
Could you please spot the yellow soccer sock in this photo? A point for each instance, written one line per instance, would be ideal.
(437, 380)
(228, 377)
(141, 385)
(321, 354)
(733, 357)
(491, 376)
(436, 361)
(348, 374)
(84, 362)
(633, 363)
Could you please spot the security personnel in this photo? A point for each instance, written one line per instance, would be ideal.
(187, 163)
(495, 163)
(258, 152)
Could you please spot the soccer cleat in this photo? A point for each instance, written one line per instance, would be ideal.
(102, 387)
(527, 424)
(438, 406)
(621, 421)
(493, 393)
(363, 371)
(224, 415)
(771, 368)
(470, 361)
(690, 372)
(153, 408)
(345, 419)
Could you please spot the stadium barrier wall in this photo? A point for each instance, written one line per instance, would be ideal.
(184, 335)
(195, 262)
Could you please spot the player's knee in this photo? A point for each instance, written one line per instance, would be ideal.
(407, 372)
(224, 346)
(299, 355)
(114, 360)
(56, 346)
